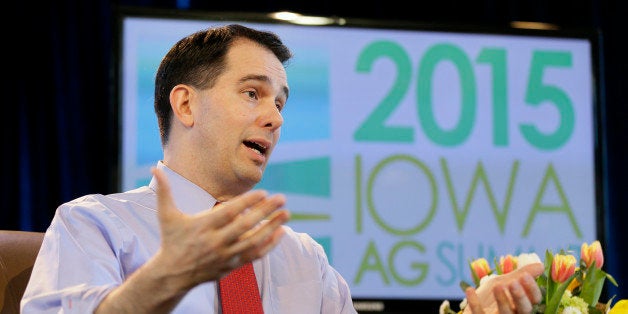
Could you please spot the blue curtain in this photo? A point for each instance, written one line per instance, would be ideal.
(60, 132)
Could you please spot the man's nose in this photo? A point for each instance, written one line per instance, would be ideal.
(271, 117)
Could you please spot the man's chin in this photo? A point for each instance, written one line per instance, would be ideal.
(252, 177)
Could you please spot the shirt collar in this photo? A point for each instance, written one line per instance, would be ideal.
(188, 197)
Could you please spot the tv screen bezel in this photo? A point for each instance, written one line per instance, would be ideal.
(384, 304)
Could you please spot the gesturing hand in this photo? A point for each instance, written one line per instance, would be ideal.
(515, 292)
(208, 245)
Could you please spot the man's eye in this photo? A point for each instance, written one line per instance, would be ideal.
(279, 106)
(251, 94)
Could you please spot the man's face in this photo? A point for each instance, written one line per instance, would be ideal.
(238, 120)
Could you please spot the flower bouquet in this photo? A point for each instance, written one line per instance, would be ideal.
(567, 287)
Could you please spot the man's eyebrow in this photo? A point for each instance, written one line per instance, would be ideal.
(263, 78)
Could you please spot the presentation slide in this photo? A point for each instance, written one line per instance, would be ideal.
(407, 153)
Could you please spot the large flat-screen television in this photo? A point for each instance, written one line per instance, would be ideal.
(407, 149)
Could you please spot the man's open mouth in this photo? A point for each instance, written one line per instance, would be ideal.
(261, 149)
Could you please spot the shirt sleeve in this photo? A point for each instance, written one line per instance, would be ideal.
(336, 292)
(77, 265)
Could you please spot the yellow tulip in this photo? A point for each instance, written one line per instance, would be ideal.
(621, 307)
(574, 283)
(592, 253)
(480, 267)
(563, 266)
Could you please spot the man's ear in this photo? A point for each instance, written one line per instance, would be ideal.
(180, 97)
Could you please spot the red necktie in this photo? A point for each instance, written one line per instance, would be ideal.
(239, 293)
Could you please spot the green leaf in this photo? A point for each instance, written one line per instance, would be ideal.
(476, 279)
(592, 284)
(498, 267)
(464, 285)
(611, 279)
(556, 294)
(545, 280)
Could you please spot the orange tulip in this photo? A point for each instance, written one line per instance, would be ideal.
(592, 253)
(563, 266)
(480, 267)
(507, 263)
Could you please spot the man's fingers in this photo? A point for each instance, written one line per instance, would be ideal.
(534, 269)
(504, 304)
(525, 291)
(263, 210)
(520, 298)
(516, 292)
(271, 243)
(269, 234)
(229, 211)
(473, 302)
(244, 223)
(257, 241)
(532, 290)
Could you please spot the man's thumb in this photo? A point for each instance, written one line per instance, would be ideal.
(165, 204)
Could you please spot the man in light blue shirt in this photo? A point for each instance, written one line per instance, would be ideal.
(162, 248)
(99, 241)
